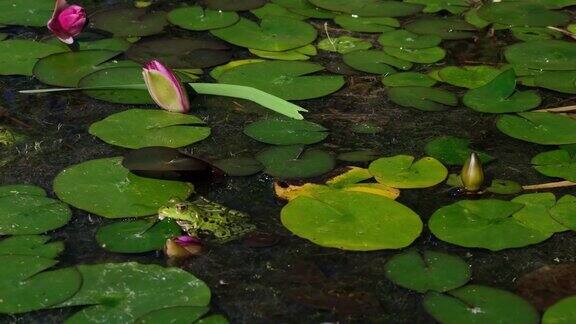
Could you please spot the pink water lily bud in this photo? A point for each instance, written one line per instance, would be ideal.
(165, 88)
(67, 21)
(182, 247)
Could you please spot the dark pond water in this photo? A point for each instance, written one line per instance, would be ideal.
(295, 280)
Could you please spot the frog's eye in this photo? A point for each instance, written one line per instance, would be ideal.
(181, 208)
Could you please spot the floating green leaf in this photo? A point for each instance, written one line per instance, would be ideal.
(31, 245)
(430, 271)
(453, 150)
(271, 10)
(558, 163)
(26, 12)
(301, 53)
(370, 8)
(539, 127)
(305, 8)
(529, 34)
(446, 28)
(564, 212)
(177, 314)
(116, 76)
(29, 190)
(286, 131)
(453, 6)
(536, 212)
(480, 304)
(561, 81)
(235, 5)
(408, 79)
(401, 171)
(521, 14)
(504, 187)
(470, 77)
(136, 236)
(417, 55)
(543, 55)
(17, 57)
(198, 18)
(129, 22)
(563, 312)
(137, 128)
(293, 161)
(287, 80)
(344, 44)
(406, 39)
(352, 220)
(219, 70)
(366, 24)
(104, 187)
(374, 61)
(239, 166)
(423, 98)
(273, 34)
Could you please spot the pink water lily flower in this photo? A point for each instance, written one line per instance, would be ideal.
(67, 21)
(165, 88)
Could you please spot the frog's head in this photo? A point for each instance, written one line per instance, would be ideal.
(179, 210)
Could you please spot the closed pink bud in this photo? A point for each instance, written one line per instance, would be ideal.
(165, 88)
(67, 21)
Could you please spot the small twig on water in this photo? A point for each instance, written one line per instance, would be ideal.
(558, 109)
(550, 185)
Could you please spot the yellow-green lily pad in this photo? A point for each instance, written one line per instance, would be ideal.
(539, 127)
(293, 161)
(558, 163)
(401, 171)
(17, 57)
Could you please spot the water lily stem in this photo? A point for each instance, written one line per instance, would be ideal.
(550, 185)
(558, 109)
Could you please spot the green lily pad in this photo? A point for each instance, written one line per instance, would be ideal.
(219, 70)
(423, 98)
(401, 171)
(305, 8)
(543, 55)
(408, 79)
(17, 57)
(66, 69)
(358, 156)
(366, 24)
(234, 5)
(430, 271)
(561, 81)
(498, 96)
(110, 44)
(298, 54)
(480, 304)
(239, 166)
(273, 34)
(453, 6)
(104, 187)
(213, 319)
(271, 10)
(564, 212)
(198, 18)
(452, 150)
(122, 292)
(528, 34)
(351, 220)
(129, 22)
(137, 128)
(29, 190)
(177, 314)
(446, 28)
(521, 14)
(293, 161)
(285, 79)
(31, 245)
(563, 312)
(116, 76)
(344, 44)
(286, 131)
(375, 61)
(536, 212)
(405, 39)
(470, 77)
(558, 163)
(22, 274)
(136, 236)
(181, 53)
(369, 8)
(485, 224)
(504, 187)
(539, 127)
(417, 55)
(21, 213)
(33, 13)
(471, 17)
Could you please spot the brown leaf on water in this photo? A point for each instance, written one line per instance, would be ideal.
(545, 286)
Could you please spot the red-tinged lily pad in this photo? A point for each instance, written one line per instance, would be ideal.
(547, 285)
(129, 22)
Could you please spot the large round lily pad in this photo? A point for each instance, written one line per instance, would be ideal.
(26, 12)
(521, 14)
(129, 22)
(446, 28)
(234, 5)
(453, 150)
(427, 271)
(417, 55)
(423, 98)
(563, 312)
(408, 79)
(352, 221)
(17, 57)
(544, 55)
(536, 213)
(374, 61)
(198, 18)
(136, 236)
(123, 292)
(305, 8)
(539, 127)
(564, 212)
(273, 34)
(452, 6)
(561, 81)
(406, 39)
(177, 314)
(239, 166)
(31, 245)
(271, 10)
(293, 161)
(370, 8)
(117, 76)
(366, 24)
(480, 304)
(287, 80)
(401, 171)
(558, 163)
(468, 76)
(286, 132)
(104, 187)
(137, 128)
(344, 44)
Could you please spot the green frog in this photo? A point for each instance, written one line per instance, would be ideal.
(208, 220)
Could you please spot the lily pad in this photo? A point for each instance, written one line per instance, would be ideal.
(17, 57)
(182, 53)
(293, 161)
(284, 79)
(286, 132)
(129, 22)
(366, 24)
(539, 127)
(562, 312)
(122, 292)
(116, 76)
(234, 5)
(198, 18)
(405, 39)
(22, 274)
(470, 77)
(136, 236)
(104, 187)
(401, 171)
(499, 96)
(504, 187)
(273, 34)
(452, 6)
(370, 8)
(564, 212)
(417, 55)
(561, 81)
(219, 70)
(33, 13)
(30, 190)
(536, 212)
(452, 150)
(31, 245)
(408, 79)
(137, 128)
(305, 8)
(66, 69)
(374, 61)
(558, 163)
(528, 34)
(352, 221)
(177, 314)
(543, 55)
(271, 10)
(239, 166)
(344, 44)
(423, 98)
(427, 271)
(485, 224)
(480, 304)
(446, 28)
(301, 53)
(521, 14)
